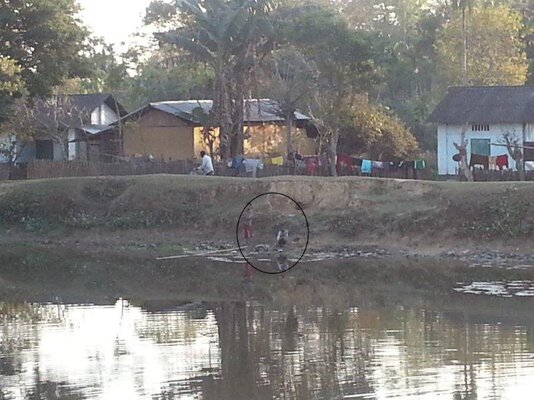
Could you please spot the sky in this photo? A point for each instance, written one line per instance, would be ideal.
(115, 20)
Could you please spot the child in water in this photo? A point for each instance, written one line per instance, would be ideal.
(247, 225)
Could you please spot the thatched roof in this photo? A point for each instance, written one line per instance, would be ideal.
(485, 104)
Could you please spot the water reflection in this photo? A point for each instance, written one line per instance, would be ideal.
(252, 351)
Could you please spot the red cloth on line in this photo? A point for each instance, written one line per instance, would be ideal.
(247, 231)
(311, 164)
(344, 163)
(502, 161)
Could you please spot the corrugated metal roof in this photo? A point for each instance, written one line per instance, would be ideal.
(95, 129)
(256, 110)
(485, 104)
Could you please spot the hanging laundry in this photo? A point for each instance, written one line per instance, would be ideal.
(252, 165)
(237, 162)
(356, 162)
(502, 161)
(367, 166)
(378, 164)
(311, 164)
(344, 164)
(477, 159)
(277, 161)
(529, 165)
(323, 160)
(420, 164)
(492, 163)
(300, 164)
(408, 164)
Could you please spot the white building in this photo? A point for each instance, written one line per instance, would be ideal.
(486, 113)
(76, 117)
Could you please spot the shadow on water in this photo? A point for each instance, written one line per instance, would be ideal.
(373, 329)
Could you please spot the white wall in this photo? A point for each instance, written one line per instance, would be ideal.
(448, 134)
(5, 141)
(72, 145)
(103, 115)
(25, 152)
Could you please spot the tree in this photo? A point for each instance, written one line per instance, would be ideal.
(515, 150)
(289, 78)
(45, 40)
(496, 52)
(343, 58)
(231, 36)
(462, 151)
(372, 131)
(49, 118)
(10, 84)
(165, 75)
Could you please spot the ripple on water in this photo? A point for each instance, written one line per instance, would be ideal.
(517, 288)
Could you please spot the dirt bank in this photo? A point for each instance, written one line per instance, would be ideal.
(164, 210)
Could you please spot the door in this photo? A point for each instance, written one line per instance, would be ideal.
(481, 147)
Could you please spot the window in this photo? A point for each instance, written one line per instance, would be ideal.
(528, 151)
(44, 150)
(480, 128)
(481, 147)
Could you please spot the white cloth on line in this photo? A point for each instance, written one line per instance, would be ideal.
(252, 165)
(529, 165)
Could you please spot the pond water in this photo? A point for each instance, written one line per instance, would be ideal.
(247, 350)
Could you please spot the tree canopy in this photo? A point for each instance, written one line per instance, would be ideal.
(496, 54)
(46, 41)
(368, 71)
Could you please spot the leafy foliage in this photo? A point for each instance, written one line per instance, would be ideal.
(45, 39)
(372, 131)
(496, 55)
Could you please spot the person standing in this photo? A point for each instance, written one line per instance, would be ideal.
(281, 239)
(206, 164)
(247, 225)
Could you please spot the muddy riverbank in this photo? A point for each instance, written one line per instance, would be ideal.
(50, 274)
(168, 213)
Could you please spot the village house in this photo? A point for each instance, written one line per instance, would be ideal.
(67, 125)
(172, 130)
(486, 114)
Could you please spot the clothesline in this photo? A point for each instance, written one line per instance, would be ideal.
(505, 145)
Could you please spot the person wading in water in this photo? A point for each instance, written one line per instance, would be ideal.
(281, 239)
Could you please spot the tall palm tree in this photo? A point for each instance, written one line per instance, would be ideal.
(230, 36)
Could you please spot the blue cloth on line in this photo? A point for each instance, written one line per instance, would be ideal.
(367, 166)
(237, 161)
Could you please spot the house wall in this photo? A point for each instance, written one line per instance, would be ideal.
(5, 140)
(270, 140)
(72, 146)
(103, 115)
(449, 134)
(159, 134)
(165, 136)
(265, 140)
